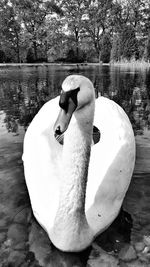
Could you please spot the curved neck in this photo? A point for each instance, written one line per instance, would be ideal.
(76, 154)
(70, 217)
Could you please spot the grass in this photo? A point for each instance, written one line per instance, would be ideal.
(132, 63)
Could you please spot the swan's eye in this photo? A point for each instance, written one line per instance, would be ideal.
(66, 96)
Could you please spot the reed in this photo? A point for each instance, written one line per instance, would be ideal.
(137, 64)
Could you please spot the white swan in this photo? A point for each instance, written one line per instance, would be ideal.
(77, 189)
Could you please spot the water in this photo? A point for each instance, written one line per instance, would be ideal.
(23, 90)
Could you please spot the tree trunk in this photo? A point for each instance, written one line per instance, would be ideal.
(77, 49)
(46, 49)
(18, 54)
(35, 50)
(77, 43)
(97, 49)
(18, 48)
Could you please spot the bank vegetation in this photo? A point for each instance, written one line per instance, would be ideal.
(75, 31)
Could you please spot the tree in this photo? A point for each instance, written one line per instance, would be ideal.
(52, 28)
(136, 13)
(106, 49)
(147, 49)
(2, 56)
(97, 21)
(119, 16)
(128, 43)
(30, 56)
(115, 51)
(10, 27)
(74, 11)
(34, 15)
(145, 20)
(55, 38)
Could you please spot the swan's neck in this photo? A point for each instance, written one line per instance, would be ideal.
(70, 218)
(76, 154)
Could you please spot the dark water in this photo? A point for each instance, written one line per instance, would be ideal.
(23, 91)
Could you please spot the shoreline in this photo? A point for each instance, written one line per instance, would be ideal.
(49, 64)
(134, 64)
(131, 64)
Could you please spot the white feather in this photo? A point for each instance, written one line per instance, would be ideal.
(52, 179)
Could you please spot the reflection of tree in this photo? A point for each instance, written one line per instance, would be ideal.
(129, 91)
(139, 109)
(21, 99)
(11, 124)
(21, 96)
(102, 81)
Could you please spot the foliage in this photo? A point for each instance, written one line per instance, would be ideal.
(75, 30)
(125, 45)
(2, 56)
(97, 21)
(147, 49)
(115, 51)
(72, 57)
(55, 39)
(33, 15)
(106, 49)
(74, 11)
(128, 43)
(10, 28)
(30, 56)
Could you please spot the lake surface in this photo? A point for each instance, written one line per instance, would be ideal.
(23, 91)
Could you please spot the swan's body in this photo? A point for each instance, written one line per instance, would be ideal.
(74, 202)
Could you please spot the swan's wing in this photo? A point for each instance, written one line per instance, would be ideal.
(41, 156)
(111, 164)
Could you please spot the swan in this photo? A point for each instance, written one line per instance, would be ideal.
(77, 189)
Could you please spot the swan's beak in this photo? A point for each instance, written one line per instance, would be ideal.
(64, 118)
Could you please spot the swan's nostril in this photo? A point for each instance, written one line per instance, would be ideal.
(58, 135)
(58, 131)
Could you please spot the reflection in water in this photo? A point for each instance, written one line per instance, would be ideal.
(69, 259)
(48, 255)
(23, 91)
(11, 124)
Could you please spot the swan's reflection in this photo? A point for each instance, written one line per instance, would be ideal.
(59, 258)
(49, 256)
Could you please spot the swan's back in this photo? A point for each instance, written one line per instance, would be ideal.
(111, 164)
(42, 157)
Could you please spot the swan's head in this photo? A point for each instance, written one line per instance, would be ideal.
(77, 94)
